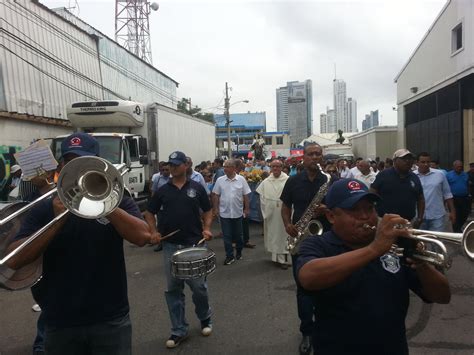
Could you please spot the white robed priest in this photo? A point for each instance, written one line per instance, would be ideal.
(273, 229)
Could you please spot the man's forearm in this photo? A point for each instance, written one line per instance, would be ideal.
(129, 227)
(435, 286)
(286, 214)
(151, 221)
(207, 220)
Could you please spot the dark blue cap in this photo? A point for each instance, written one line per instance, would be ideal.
(177, 158)
(345, 193)
(81, 144)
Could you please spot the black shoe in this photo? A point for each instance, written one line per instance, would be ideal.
(229, 260)
(159, 247)
(305, 345)
(239, 256)
(174, 340)
(249, 245)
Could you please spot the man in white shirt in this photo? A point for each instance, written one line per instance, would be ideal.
(230, 201)
(365, 174)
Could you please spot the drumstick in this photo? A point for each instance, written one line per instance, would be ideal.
(170, 234)
(201, 241)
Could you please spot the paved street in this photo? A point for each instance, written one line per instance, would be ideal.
(254, 309)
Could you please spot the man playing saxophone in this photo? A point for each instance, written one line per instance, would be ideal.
(297, 195)
(359, 287)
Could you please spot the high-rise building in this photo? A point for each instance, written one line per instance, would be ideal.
(331, 120)
(371, 120)
(295, 110)
(323, 122)
(351, 115)
(340, 108)
(282, 109)
(328, 121)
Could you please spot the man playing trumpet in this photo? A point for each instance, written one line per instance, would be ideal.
(359, 287)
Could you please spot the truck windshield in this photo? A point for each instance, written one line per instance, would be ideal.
(110, 148)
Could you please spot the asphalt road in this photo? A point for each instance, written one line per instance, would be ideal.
(254, 307)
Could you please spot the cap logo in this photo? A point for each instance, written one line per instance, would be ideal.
(75, 141)
(354, 186)
(173, 155)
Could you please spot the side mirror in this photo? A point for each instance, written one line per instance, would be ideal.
(142, 146)
(144, 160)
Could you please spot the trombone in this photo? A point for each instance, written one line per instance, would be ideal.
(441, 258)
(89, 187)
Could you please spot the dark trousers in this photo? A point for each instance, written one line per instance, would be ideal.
(246, 229)
(111, 338)
(462, 206)
(232, 232)
(305, 305)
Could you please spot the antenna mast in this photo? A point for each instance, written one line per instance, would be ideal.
(132, 26)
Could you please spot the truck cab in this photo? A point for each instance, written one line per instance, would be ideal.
(119, 148)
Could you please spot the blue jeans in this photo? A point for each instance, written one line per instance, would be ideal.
(435, 225)
(305, 304)
(232, 231)
(175, 296)
(38, 344)
(111, 338)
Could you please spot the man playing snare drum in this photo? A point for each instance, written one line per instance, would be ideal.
(180, 202)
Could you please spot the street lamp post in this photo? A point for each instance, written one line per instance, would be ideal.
(227, 118)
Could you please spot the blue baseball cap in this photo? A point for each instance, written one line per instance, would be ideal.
(177, 158)
(81, 144)
(345, 193)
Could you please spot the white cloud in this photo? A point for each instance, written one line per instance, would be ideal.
(257, 46)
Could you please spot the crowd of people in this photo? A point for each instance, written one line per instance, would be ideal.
(348, 280)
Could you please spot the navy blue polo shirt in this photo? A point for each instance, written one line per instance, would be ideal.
(298, 193)
(180, 209)
(398, 194)
(364, 314)
(84, 278)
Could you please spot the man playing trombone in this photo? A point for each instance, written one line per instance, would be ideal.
(84, 282)
(360, 287)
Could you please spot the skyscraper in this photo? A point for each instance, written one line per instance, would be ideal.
(340, 108)
(323, 123)
(295, 110)
(351, 115)
(282, 108)
(371, 120)
(328, 121)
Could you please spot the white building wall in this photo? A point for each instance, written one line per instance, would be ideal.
(433, 65)
(375, 142)
(30, 131)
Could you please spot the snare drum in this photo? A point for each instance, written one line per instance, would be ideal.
(193, 263)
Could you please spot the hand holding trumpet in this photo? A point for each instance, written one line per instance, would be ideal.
(387, 232)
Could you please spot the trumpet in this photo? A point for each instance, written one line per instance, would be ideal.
(423, 237)
(89, 187)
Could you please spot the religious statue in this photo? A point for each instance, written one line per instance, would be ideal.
(257, 147)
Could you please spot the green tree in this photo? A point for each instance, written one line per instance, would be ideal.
(184, 106)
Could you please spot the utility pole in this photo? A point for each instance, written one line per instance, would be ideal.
(227, 120)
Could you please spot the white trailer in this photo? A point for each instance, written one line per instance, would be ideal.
(140, 135)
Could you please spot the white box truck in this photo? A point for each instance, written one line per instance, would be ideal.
(140, 135)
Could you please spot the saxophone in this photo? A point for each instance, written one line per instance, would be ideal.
(306, 225)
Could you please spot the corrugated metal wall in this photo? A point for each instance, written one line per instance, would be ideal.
(124, 75)
(46, 63)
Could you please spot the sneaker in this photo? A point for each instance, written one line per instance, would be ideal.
(174, 341)
(36, 308)
(229, 260)
(239, 256)
(249, 245)
(206, 327)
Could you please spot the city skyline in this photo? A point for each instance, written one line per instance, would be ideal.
(265, 44)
